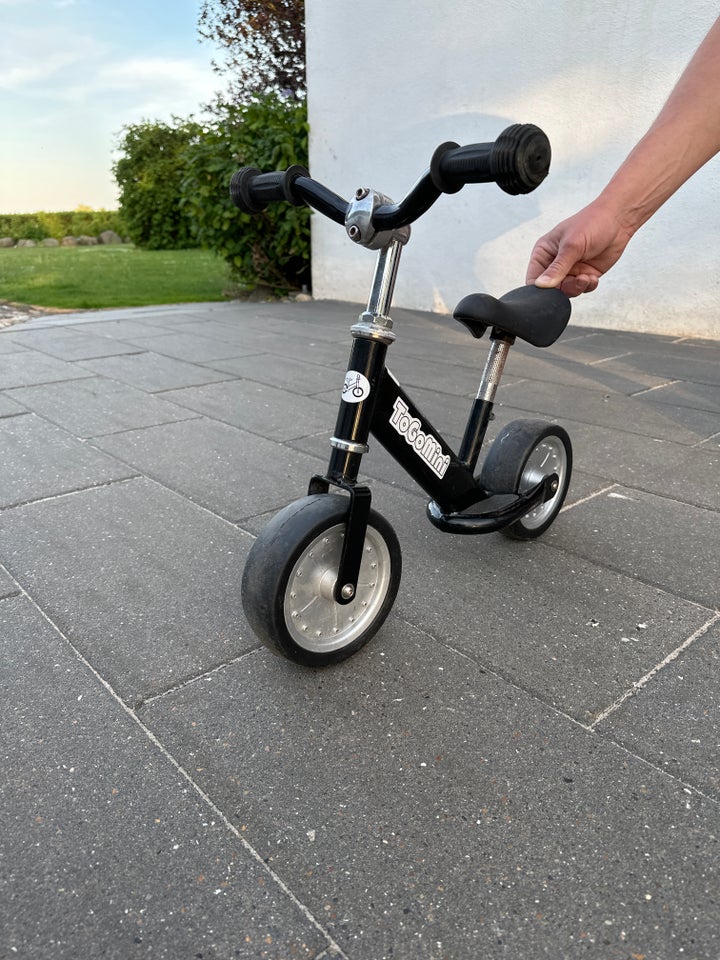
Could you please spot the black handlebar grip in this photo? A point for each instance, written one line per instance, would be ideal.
(521, 158)
(251, 190)
(518, 161)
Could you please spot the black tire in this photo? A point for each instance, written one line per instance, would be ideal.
(522, 454)
(289, 579)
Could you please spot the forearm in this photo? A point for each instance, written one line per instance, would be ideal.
(685, 135)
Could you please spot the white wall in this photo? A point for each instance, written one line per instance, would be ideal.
(389, 80)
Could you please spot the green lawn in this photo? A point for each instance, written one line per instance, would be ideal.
(79, 278)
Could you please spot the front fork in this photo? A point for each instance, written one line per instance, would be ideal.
(372, 335)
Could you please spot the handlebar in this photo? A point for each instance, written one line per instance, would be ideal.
(518, 161)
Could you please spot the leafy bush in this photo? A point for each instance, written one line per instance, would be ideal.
(267, 249)
(149, 175)
(73, 223)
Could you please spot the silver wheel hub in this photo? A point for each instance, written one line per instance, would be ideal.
(548, 457)
(315, 621)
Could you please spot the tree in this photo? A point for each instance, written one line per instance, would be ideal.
(149, 174)
(264, 42)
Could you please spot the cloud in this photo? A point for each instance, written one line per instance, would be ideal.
(68, 86)
(164, 84)
(32, 56)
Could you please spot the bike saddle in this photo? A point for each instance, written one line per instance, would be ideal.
(532, 313)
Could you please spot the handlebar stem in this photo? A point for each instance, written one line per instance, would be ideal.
(359, 221)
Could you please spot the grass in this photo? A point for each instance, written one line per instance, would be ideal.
(79, 278)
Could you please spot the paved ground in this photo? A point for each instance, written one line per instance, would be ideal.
(523, 763)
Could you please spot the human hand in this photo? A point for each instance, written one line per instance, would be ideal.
(577, 252)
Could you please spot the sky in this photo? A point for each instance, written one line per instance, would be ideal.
(72, 74)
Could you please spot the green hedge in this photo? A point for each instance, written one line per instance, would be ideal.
(271, 248)
(149, 174)
(70, 223)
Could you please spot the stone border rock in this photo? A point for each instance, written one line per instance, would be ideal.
(106, 237)
(12, 313)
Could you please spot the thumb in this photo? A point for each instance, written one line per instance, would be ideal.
(555, 272)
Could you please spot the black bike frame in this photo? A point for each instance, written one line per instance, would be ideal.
(373, 402)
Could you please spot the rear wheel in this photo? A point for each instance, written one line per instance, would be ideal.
(289, 581)
(521, 456)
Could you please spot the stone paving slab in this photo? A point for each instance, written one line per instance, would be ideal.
(8, 587)
(439, 376)
(534, 681)
(674, 721)
(698, 396)
(687, 474)
(9, 346)
(680, 424)
(190, 346)
(154, 316)
(40, 460)
(544, 618)
(107, 849)
(698, 365)
(610, 376)
(96, 406)
(712, 443)
(656, 540)
(288, 341)
(247, 335)
(588, 345)
(455, 815)
(67, 343)
(121, 328)
(331, 353)
(271, 412)
(448, 373)
(153, 372)
(9, 407)
(145, 584)
(231, 472)
(287, 373)
(29, 367)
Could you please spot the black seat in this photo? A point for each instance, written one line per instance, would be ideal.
(532, 313)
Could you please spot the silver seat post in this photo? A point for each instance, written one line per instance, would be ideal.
(494, 366)
(481, 412)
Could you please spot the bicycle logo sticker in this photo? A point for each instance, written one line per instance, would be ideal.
(424, 444)
(356, 387)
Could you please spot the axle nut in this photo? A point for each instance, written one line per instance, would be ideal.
(348, 591)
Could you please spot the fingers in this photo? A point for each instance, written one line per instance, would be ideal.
(553, 259)
(573, 286)
(552, 267)
(565, 264)
(542, 259)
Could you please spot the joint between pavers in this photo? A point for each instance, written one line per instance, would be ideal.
(175, 688)
(333, 949)
(71, 493)
(498, 675)
(658, 668)
(590, 496)
(596, 363)
(713, 436)
(658, 386)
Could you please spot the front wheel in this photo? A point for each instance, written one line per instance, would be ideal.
(288, 586)
(521, 456)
